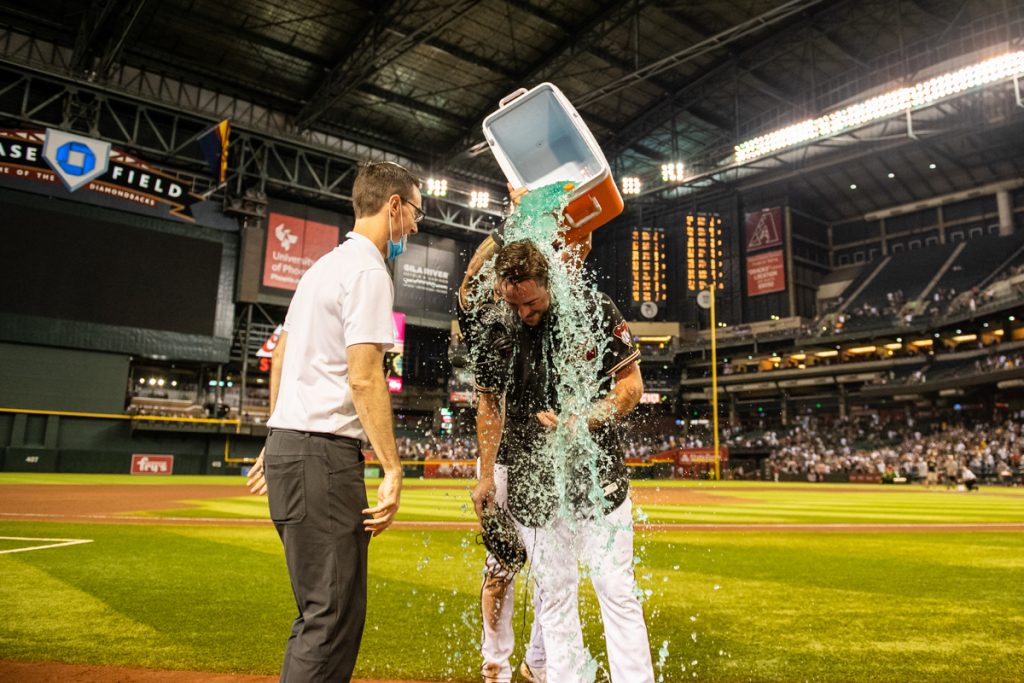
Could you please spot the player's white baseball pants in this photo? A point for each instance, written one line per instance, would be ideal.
(497, 607)
(605, 548)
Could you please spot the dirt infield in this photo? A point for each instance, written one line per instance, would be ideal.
(91, 499)
(115, 503)
(53, 672)
(97, 500)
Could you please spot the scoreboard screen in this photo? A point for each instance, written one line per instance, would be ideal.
(648, 265)
(704, 252)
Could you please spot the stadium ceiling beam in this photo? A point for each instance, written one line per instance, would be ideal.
(712, 44)
(568, 29)
(666, 108)
(603, 20)
(102, 34)
(836, 43)
(412, 104)
(370, 53)
(319, 165)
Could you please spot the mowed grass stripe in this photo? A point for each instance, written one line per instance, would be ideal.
(774, 607)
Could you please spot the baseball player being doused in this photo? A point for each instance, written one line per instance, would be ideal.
(483, 322)
(557, 388)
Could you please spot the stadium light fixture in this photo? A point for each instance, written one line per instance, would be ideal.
(1009, 65)
(922, 342)
(931, 166)
(631, 185)
(891, 175)
(830, 353)
(437, 187)
(853, 186)
(673, 173)
(479, 200)
(961, 338)
(861, 350)
(894, 346)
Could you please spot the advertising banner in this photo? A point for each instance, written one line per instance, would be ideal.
(426, 277)
(690, 456)
(293, 245)
(764, 229)
(766, 273)
(73, 166)
(152, 464)
(394, 359)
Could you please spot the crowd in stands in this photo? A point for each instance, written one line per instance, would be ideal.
(942, 301)
(903, 448)
(432, 446)
(814, 448)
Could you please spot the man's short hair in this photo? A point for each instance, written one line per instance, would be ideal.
(521, 261)
(377, 181)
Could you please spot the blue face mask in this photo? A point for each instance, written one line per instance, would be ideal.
(395, 249)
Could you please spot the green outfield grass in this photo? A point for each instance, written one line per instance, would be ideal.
(731, 606)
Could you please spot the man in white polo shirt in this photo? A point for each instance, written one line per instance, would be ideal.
(328, 397)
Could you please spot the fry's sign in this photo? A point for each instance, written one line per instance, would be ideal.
(152, 464)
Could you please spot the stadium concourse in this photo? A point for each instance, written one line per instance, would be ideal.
(820, 254)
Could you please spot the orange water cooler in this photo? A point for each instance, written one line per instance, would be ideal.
(539, 138)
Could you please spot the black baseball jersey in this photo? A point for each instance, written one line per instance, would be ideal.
(526, 377)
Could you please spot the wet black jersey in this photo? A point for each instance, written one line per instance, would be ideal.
(526, 378)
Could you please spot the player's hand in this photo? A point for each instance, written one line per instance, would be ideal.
(388, 494)
(257, 481)
(548, 419)
(516, 193)
(482, 495)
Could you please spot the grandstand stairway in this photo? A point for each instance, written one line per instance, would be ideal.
(916, 304)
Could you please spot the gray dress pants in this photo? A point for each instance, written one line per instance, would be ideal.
(316, 494)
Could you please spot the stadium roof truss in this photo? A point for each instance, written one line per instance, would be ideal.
(313, 86)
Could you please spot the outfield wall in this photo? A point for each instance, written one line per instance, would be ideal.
(55, 441)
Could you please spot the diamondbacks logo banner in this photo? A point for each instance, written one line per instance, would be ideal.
(92, 171)
(764, 229)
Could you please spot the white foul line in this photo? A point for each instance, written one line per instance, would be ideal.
(53, 543)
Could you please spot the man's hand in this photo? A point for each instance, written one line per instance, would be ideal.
(257, 482)
(549, 420)
(388, 494)
(516, 193)
(482, 495)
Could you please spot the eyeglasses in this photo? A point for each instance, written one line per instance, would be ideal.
(418, 214)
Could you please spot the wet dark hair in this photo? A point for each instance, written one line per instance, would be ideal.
(376, 182)
(521, 261)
